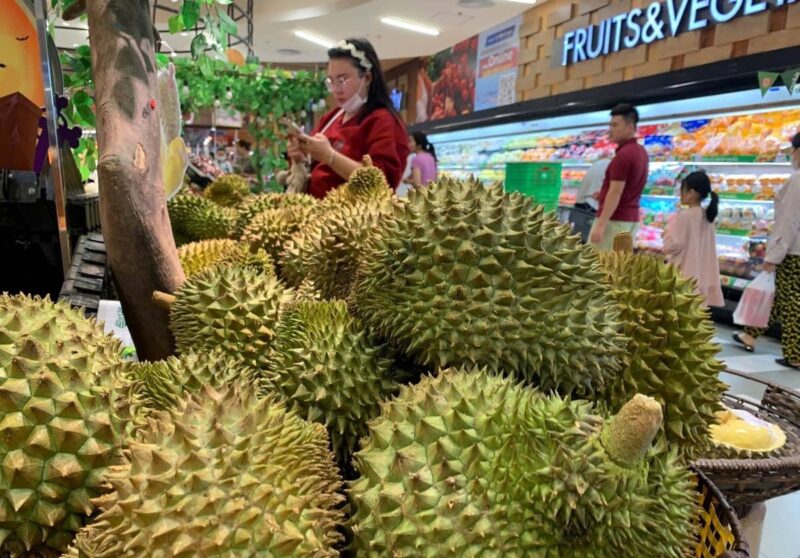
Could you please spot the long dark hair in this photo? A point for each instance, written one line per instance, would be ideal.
(378, 95)
(700, 183)
(422, 140)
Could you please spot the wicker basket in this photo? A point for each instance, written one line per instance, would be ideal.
(720, 531)
(745, 482)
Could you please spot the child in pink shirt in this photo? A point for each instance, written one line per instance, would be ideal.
(690, 240)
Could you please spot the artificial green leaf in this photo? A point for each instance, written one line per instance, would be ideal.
(176, 24)
(190, 12)
(162, 59)
(84, 51)
(81, 98)
(227, 24)
(199, 45)
(87, 114)
(206, 66)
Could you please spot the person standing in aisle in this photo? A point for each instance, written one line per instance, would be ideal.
(591, 184)
(423, 166)
(624, 181)
(690, 239)
(783, 257)
(365, 122)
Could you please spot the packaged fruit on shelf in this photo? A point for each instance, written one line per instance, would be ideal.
(744, 220)
(572, 177)
(568, 197)
(664, 179)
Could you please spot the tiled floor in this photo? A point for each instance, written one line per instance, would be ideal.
(780, 537)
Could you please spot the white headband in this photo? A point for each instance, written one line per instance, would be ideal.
(357, 54)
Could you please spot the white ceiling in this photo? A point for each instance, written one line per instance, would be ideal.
(276, 20)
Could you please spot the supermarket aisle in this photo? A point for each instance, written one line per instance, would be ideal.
(779, 536)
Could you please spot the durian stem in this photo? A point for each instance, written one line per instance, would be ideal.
(163, 300)
(623, 242)
(628, 436)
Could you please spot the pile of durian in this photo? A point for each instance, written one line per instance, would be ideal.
(451, 374)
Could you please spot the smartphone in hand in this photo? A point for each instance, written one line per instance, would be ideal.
(292, 128)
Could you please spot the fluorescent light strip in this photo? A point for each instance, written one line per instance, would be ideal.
(529, 2)
(410, 26)
(316, 39)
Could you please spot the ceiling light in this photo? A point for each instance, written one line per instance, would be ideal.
(522, 1)
(475, 4)
(410, 26)
(316, 39)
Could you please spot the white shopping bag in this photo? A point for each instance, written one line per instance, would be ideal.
(756, 302)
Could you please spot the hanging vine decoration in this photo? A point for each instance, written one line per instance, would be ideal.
(265, 94)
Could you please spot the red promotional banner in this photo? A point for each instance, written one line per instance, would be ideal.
(446, 82)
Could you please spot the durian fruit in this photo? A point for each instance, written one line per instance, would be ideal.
(330, 251)
(367, 185)
(272, 228)
(204, 254)
(58, 428)
(231, 307)
(60, 330)
(672, 356)
(197, 218)
(472, 464)
(159, 385)
(223, 474)
(738, 434)
(462, 274)
(229, 190)
(329, 370)
(258, 204)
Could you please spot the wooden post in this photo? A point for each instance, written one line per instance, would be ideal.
(133, 210)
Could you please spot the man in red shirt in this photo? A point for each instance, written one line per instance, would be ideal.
(624, 182)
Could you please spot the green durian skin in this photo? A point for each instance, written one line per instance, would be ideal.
(229, 190)
(329, 370)
(196, 218)
(672, 356)
(221, 474)
(258, 204)
(199, 256)
(59, 431)
(470, 464)
(233, 308)
(466, 275)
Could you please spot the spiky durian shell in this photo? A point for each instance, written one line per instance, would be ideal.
(462, 274)
(197, 218)
(469, 464)
(258, 204)
(330, 251)
(160, 384)
(58, 428)
(367, 186)
(204, 254)
(329, 370)
(223, 474)
(272, 228)
(672, 356)
(229, 190)
(61, 329)
(233, 308)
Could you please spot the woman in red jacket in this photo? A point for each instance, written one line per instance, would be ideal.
(364, 122)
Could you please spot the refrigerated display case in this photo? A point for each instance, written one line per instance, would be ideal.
(738, 138)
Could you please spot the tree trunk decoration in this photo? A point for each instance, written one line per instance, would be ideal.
(141, 249)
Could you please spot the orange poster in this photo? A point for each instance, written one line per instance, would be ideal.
(19, 53)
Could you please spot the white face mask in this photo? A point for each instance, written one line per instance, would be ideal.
(356, 102)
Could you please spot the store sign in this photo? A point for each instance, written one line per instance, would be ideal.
(656, 22)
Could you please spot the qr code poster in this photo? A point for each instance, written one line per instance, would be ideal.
(507, 89)
(498, 59)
